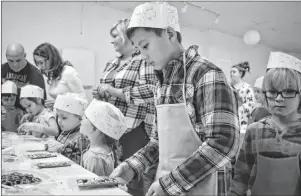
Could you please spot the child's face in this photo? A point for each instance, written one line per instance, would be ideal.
(235, 74)
(258, 95)
(86, 127)
(155, 49)
(67, 121)
(30, 106)
(284, 106)
(8, 100)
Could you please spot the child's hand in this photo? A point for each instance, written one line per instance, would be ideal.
(25, 118)
(123, 171)
(29, 126)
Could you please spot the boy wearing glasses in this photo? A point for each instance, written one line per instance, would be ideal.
(269, 161)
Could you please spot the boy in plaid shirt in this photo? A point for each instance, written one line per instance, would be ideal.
(70, 109)
(196, 132)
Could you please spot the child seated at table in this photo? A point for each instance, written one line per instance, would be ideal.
(39, 121)
(70, 108)
(269, 162)
(10, 114)
(103, 124)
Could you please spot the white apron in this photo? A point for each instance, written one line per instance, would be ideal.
(178, 141)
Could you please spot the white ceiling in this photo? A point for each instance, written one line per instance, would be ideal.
(279, 23)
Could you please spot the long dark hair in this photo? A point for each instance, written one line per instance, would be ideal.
(51, 53)
(242, 67)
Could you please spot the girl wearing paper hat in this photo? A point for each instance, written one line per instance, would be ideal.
(260, 110)
(10, 114)
(38, 121)
(104, 125)
(273, 145)
(196, 129)
(70, 108)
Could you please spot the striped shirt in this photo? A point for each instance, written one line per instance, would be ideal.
(212, 110)
(137, 79)
(260, 135)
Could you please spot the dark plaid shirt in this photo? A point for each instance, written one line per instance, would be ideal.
(137, 79)
(211, 106)
(74, 144)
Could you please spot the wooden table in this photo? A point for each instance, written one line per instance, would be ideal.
(63, 178)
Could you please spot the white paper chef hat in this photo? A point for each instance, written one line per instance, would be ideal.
(106, 118)
(259, 82)
(32, 91)
(155, 15)
(283, 60)
(9, 87)
(72, 103)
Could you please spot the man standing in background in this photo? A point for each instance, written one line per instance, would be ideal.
(19, 70)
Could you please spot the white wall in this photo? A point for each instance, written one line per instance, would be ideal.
(59, 23)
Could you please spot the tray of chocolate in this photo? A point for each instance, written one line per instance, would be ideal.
(41, 155)
(102, 181)
(22, 178)
(53, 164)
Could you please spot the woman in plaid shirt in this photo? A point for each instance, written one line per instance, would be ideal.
(196, 132)
(128, 83)
(269, 162)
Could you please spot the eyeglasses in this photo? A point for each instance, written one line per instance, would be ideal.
(284, 94)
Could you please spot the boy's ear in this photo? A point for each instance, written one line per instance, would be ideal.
(172, 34)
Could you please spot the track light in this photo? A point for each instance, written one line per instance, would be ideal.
(184, 9)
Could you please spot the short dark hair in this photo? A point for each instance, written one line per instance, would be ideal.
(7, 94)
(131, 31)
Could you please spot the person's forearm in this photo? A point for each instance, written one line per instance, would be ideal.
(50, 131)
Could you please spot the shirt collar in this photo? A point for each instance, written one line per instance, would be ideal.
(190, 53)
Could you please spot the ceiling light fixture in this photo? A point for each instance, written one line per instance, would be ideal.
(217, 19)
(184, 9)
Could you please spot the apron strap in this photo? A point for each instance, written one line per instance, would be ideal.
(257, 142)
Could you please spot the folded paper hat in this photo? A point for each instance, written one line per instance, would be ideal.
(32, 91)
(106, 118)
(258, 82)
(155, 15)
(9, 87)
(283, 60)
(72, 103)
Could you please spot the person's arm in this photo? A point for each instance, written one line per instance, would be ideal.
(143, 92)
(38, 80)
(51, 130)
(216, 116)
(73, 81)
(244, 165)
(148, 155)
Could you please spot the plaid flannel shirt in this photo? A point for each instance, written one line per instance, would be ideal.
(212, 110)
(137, 80)
(245, 167)
(74, 144)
